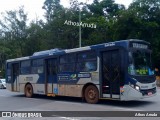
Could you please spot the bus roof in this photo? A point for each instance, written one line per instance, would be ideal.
(58, 51)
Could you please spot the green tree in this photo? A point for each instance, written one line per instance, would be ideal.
(52, 8)
(104, 14)
(13, 27)
(36, 38)
(140, 21)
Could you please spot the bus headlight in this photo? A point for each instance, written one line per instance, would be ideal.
(137, 87)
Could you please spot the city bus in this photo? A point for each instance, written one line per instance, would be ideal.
(120, 70)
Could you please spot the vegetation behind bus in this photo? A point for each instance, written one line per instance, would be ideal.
(114, 22)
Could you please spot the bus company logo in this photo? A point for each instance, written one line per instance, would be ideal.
(92, 25)
(109, 44)
(73, 77)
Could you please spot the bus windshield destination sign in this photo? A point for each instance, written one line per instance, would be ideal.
(138, 45)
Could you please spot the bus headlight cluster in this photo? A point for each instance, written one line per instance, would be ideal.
(137, 87)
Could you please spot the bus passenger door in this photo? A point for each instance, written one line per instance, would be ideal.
(15, 77)
(111, 74)
(51, 76)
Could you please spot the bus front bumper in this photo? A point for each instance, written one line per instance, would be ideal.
(133, 94)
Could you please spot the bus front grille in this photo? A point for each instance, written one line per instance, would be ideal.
(146, 92)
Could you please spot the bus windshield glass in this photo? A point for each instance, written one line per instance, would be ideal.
(140, 63)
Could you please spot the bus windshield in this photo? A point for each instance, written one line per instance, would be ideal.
(140, 63)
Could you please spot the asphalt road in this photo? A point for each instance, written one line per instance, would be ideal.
(10, 101)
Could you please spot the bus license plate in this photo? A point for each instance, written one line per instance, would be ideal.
(150, 93)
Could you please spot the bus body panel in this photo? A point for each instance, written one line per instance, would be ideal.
(130, 93)
(70, 90)
(9, 86)
(53, 72)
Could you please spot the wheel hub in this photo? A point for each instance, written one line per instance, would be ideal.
(91, 94)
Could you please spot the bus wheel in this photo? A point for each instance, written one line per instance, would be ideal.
(91, 94)
(29, 90)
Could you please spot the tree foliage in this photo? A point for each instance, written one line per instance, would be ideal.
(141, 20)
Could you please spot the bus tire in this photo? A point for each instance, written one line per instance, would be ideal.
(91, 94)
(29, 91)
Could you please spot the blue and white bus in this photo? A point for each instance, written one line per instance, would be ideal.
(120, 70)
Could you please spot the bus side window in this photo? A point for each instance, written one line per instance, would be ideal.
(90, 66)
(8, 69)
(25, 67)
(87, 61)
(37, 66)
(86, 66)
(67, 63)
